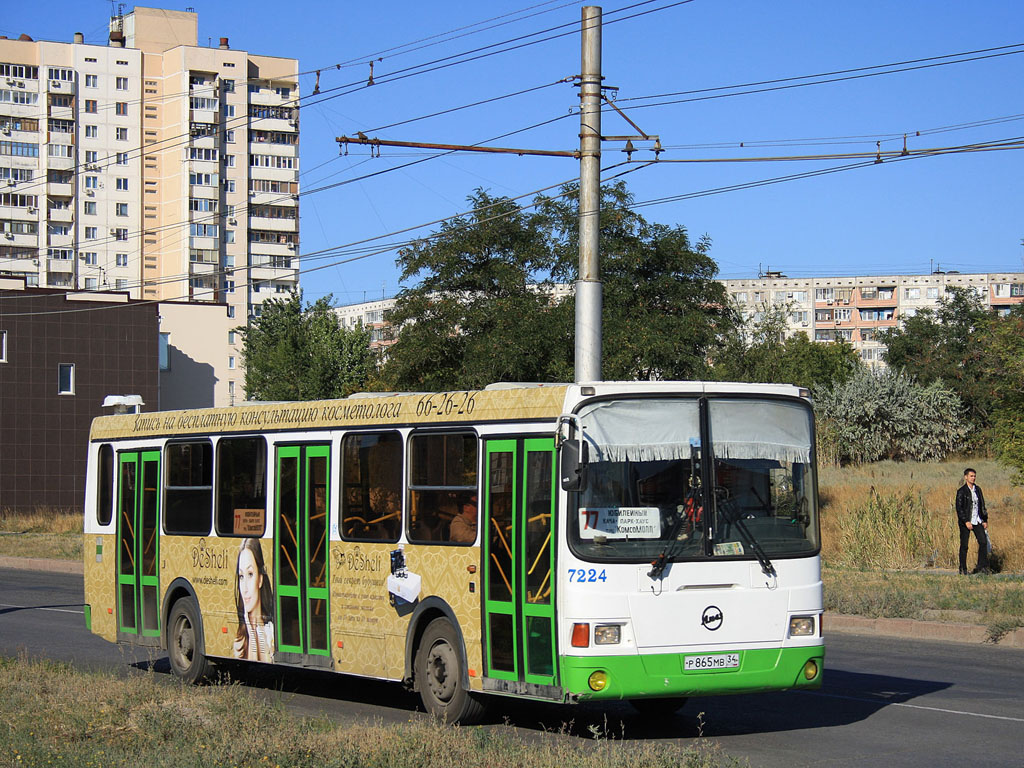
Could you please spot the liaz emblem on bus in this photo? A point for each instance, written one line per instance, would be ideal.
(620, 522)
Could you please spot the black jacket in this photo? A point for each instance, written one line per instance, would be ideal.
(963, 504)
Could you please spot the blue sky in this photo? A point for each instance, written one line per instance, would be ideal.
(957, 211)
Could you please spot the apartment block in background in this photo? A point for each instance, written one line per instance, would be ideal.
(151, 165)
(857, 309)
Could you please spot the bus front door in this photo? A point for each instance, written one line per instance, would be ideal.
(138, 541)
(300, 554)
(519, 612)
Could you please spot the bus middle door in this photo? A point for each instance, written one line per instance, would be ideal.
(300, 554)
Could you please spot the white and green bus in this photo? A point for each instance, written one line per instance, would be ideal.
(640, 541)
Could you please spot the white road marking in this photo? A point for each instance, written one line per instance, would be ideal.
(36, 608)
(915, 706)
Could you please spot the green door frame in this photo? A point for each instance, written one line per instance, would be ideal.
(138, 543)
(301, 564)
(518, 589)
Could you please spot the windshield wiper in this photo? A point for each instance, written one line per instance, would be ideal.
(692, 508)
(731, 514)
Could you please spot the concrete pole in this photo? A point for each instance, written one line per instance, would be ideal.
(588, 286)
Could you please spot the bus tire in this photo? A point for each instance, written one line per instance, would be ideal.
(438, 674)
(659, 708)
(185, 647)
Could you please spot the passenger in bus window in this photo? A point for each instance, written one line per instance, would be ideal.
(254, 600)
(463, 526)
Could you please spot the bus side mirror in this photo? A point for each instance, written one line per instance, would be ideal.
(573, 465)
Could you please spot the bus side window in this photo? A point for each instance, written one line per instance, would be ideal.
(442, 480)
(371, 482)
(105, 485)
(242, 486)
(188, 488)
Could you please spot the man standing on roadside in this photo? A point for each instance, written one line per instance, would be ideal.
(971, 516)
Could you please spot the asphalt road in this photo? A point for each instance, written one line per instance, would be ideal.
(885, 701)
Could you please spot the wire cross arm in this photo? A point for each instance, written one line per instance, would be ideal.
(378, 143)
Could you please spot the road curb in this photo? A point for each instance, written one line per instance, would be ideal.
(42, 564)
(946, 631)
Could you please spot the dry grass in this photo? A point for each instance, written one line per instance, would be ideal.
(44, 532)
(52, 715)
(893, 515)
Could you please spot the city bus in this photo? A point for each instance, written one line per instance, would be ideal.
(637, 541)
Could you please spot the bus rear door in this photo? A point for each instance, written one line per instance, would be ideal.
(138, 574)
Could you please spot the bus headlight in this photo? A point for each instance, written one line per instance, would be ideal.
(598, 680)
(801, 626)
(607, 634)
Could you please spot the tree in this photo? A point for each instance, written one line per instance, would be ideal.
(758, 349)
(946, 345)
(1005, 342)
(885, 414)
(664, 312)
(482, 308)
(291, 354)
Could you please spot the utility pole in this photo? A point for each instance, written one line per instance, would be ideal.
(588, 285)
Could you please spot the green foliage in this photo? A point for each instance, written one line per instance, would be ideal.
(663, 310)
(885, 414)
(948, 345)
(292, 354)
(483, 308)
(759, 350)
(890, 531)
(1007, 368)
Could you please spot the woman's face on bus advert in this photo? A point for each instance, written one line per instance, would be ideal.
(249, 580)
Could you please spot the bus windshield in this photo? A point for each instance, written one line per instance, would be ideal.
(644, 494)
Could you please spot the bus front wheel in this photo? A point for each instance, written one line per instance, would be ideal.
(438, 671)
(185, 646)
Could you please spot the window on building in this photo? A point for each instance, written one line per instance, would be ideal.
(121, 184)
(90, 233)
(912, 293)
(228, 86)
(229, 236)
(371, 483)
(284, 93)
(164, 354)
(91, 81)
(91, 155)
(89, 208)
(66, 378)
(90, 258)
(231, 362)
(229, 161)
(91, 131)
(122, 158)
(90, 106)
(92, 182)
(121, 134)
(229, 110)
(229, 137)
(121, 83)
(231, 311)
(188, 487)
(121, 108)
(121, 233)
(121, 259)
(121, 209)
(231, 337)
(229, 185)
(121, 284)
(442, 478)
(241, 486)
(90, 283)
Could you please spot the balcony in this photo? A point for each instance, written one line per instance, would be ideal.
(274, 225)
(18, 239)
(203, 243)
(60, 189)
(205, 191)
(63, 266)
(198, 268)
(62, 215)
(60, 86)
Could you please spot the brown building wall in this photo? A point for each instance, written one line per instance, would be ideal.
(44, 435)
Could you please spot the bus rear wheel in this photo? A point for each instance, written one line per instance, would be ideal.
(438, 670)
(185, 647)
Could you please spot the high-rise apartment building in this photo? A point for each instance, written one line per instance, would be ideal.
(151, 165)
